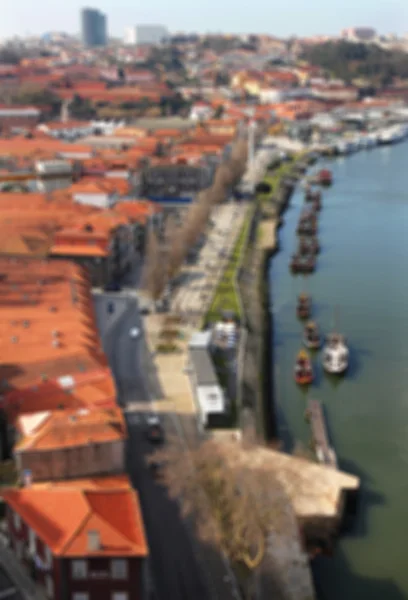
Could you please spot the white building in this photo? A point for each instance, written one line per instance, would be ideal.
(145, 34)
(359, 34)
(209, 396)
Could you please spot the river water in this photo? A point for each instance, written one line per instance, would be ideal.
(363, 271)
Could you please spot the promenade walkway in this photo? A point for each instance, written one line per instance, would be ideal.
(194, 298)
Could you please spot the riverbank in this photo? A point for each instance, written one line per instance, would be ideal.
(257, 376)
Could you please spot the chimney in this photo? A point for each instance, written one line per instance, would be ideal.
(94, 541)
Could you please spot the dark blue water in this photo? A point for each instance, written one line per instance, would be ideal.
(363, 271)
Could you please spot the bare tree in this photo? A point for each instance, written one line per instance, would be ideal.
(175, 246)
(196, 221)
(180, 241)
(238, 159)
(236, 508)
(154, 276)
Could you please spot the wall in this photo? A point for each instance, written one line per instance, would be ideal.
(8, 123)
(47, 577)
(100, 584)
(257, 376)
(82, 461)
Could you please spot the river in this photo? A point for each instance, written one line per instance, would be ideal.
(363, 271)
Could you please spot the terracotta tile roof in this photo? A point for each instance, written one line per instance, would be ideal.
(29, 242)
(168, 133)
(32, 395)
(48, 331)
(56, 126)
(138, 210)
(41, 146)
(115, 514)
(95, 483)
(100, 185)
(76, 250)
(70, 428)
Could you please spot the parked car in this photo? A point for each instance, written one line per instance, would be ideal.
(156, 467)
(154, 431)
(113, 286)
(134, 332)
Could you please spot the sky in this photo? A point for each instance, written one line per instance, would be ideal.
(280, 18)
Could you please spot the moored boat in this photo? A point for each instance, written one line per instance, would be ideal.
(308, 245)
(307, 228)
(308, 216)
(311, 336)
(303, 369)
(304, 305)
(303, 264)
(311, 195)
(325, 177)
(335, 354)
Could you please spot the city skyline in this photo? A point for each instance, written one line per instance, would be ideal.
(294, 18)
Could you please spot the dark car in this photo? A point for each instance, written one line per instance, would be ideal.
(113, 286)
(156, 469)
(154, 431)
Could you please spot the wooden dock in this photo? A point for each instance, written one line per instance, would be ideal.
(324, 452)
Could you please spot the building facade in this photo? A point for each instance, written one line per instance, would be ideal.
(70, 444)
(14, 118)
(80, 578)
(174, 180)
(146, 34)
(94, 31)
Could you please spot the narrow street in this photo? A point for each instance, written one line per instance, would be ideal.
(175, 569)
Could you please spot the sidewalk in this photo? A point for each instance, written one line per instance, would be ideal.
(194, 298)
(178, 414)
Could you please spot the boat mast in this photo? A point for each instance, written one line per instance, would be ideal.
(336, 319)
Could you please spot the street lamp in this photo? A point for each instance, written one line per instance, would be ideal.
(251, 142)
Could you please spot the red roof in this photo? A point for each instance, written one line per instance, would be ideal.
(62, 517)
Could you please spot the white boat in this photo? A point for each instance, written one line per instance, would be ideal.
(372, 140)
(343, 147)
(335, 354)
(391, 135)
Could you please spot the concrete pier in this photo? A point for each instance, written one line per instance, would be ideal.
(324, 452)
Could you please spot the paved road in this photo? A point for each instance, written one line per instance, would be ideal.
(175, 569)
(123, 352)
(176, 572)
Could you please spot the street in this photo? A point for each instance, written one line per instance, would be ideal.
(122, 351)
(175, 569)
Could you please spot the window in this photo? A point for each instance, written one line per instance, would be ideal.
(120, 596)
(79, 569)
(80, 596)
(32, 545)
(16, 521)
(48, 557)
(119, 568)
(19, 549)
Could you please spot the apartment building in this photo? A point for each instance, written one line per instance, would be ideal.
(70, 444)
(78, 542)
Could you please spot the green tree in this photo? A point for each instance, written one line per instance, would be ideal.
(348, 60)
(81, 108)
(8, 56)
